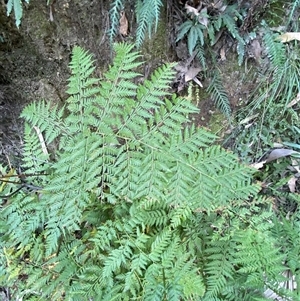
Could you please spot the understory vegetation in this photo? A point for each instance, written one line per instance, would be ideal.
(135, 203)
(120, 196)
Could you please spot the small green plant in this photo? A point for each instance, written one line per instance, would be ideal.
(271, 113)
(195, 34)
(270, 118)
(202, 27)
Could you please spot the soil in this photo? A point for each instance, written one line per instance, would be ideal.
(34, 60)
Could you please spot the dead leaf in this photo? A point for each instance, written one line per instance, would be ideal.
(247, 119)
(223, 54)
(279, 153)
(219, 5)
(203, 17)
(217, 37)
(279, 28)
(292, 184)
(180, 86)
(42, 141)
(181, 67)
(123, 30)
(294, 101)
(295, 165)
(181, 50)
(197, 81)
(52, 9)
(256, 49)
(222, 8)
(277, 145)
(51, 19)
(191, 73)
(258, 165)
(247, 126)
(191, 10)
(289, 36)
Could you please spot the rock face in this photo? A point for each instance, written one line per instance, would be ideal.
(34, 59)
(10, 127)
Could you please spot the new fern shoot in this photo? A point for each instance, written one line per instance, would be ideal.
(135, 202)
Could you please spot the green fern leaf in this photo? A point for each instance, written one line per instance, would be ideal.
(183, 29)
(219, 95)
(201, 56)
(114, 16)
(147, 13)
(18, 10)
(42, 116)
(275, 49)
(195, 35)
(115, 259)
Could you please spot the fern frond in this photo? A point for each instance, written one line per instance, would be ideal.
(275, 49)
(115, 259)
(20, 214)
(183, 29)
(35, 158)
(154, 215)
(229, 17)
(116, 7)
(182, 213)
(211, 30)
(212, 173)
(219, 268)
(286, 233)
(160, 244)
(191, 139)
(219, 95)
(117, 86)
(241, 51)
(149, 98)
(154, 174)
(147, 13)
(296, 4)
(169, 118)
(45, 116)
(18, 10)
(201, 56)
(81, 86)
(71, 187)
(154, 288)
(257, 258)
(192, 283)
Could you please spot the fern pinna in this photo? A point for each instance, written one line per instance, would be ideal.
(134, 202)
